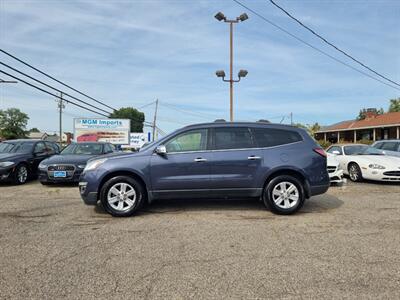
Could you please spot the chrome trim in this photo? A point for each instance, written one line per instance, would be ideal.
(241, 149)
(52, 172)
(199, 190)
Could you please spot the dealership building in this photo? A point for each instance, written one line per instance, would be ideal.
(374, 127)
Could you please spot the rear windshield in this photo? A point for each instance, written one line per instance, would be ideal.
(83, 149)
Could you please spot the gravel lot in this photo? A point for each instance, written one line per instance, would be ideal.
(344, 244)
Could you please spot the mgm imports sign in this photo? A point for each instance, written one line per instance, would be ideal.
(115, 131)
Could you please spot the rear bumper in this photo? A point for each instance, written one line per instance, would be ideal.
(318, 189)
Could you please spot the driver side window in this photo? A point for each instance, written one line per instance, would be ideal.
(40, 148)
(194, 140)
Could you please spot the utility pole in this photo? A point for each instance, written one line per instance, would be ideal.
(291, 118)
(242, 73)
(154, 121)
(61, 106)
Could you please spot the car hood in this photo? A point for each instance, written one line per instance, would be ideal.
(332, 160)
(68, 159)
(10, 156)
(390, 162)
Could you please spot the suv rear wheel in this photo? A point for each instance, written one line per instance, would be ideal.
(284, 195)
(122, 196)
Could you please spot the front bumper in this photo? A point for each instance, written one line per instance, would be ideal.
(47, 177)
(5, 173)
(381, 175)
(336, 176)
(89, 198)
(89, 187)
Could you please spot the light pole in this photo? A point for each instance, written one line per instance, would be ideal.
(242, 73)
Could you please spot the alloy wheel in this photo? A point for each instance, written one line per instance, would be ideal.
(22, 174)
(353, 172)
(285, 195)
(121, 196)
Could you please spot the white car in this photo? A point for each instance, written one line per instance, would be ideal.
(364, 162)
(334, 169)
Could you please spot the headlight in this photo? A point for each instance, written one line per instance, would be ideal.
(91, 165)
(42, 166)
(81, 166)
(5, 164)
(376, 166)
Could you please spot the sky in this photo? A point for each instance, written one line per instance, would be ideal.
(130, 53)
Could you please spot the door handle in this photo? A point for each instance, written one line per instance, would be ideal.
(200, 159)
(253, 157)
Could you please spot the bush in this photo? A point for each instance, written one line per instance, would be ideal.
(365, 141)
(324, 144)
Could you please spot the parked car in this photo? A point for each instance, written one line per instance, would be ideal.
(19, 159)
(69, 164)
(388, 147)
(280, 164)
(334, 169)
(365, 162)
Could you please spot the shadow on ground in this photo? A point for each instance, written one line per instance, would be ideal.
(315, 204)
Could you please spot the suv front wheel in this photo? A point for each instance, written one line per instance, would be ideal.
(122, 196)
(284, 195)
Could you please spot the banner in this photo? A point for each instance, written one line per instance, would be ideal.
(115, 131)
(138, 139)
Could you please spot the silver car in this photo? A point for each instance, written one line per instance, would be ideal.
(388, 147)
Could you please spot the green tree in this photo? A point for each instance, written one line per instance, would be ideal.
(13, 123)
(311, 128)
(136, 117)
(394, 105)
(34, 129)
(363, 112)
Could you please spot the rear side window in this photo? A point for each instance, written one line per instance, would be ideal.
(232, 138)
(52, 148)
(390, 146)
(108, 148)
(269, 137)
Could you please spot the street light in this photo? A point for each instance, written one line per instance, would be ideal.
(242, 73)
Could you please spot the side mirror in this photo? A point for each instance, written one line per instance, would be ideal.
(335, 152)
(161, 150)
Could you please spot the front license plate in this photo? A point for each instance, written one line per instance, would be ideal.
(60, 174)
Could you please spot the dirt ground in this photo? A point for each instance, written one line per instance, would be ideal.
(344, 244)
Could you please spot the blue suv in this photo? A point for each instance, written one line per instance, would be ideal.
(280, 164)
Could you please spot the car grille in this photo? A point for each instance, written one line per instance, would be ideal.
(331, 169)
(392, 173)
(70, 170)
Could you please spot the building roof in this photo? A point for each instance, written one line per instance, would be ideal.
(376, 121)
(37, 135)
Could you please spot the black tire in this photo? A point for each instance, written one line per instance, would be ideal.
(126, 211)
(274, 186)
(17, 179)
(355, 172)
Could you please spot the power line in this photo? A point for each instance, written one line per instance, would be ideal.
(332, 45)
(49, 86)
(51, 77)
(313, 47)
(54, 95)
(171, 106)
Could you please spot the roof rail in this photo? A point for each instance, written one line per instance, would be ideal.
(219, 121)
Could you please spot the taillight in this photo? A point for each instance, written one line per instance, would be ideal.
(320, 151)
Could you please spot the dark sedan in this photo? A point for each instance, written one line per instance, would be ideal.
(69, 164)
(19, 159)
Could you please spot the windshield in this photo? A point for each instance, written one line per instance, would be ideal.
(361, 150)
(16, 147)
(83, 149)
